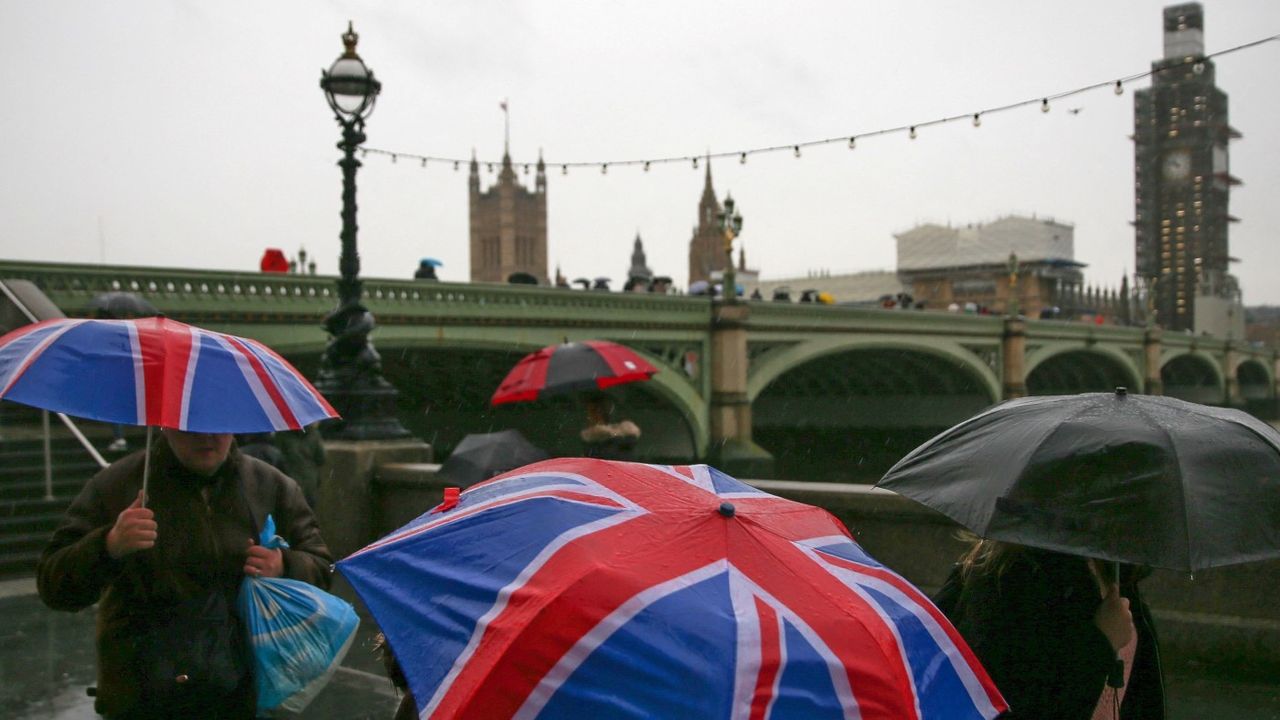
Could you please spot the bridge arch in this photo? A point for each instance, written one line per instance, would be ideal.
(1068, 368)
(1195, 376)
(1254, 380)
(845, 410)
(776, 365)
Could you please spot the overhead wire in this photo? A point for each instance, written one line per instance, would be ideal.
(1045, 102)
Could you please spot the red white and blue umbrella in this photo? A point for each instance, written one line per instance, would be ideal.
(156, 372)
(594, 589)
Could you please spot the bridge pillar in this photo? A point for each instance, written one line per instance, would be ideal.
(1230, 371)
(1013, 353)
(731, 448)
(1154, 385)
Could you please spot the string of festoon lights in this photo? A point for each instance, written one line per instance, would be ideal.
(912, 130)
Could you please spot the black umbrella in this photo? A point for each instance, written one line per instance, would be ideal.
(1138, 479)
(480, 456)
(121, 306)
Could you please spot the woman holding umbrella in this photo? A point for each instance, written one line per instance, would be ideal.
(1059, 635)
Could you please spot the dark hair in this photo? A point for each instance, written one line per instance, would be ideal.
(382, 651)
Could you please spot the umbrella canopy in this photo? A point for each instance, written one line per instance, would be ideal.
(1140, 479)
(156, 372)
(430, 262)
(570, 367)
(587, 588)
(121, 305)
(480, 456)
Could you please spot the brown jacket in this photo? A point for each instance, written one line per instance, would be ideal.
(203, 530)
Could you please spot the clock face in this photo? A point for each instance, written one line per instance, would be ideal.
(1177, 165)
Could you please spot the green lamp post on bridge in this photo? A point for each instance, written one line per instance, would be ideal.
(731, 226)
(350, 370)
(1012, 305)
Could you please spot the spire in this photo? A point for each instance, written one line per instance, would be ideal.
(506, 132)
(707, 190)
(742, 258)
(639, 263)
(540, 182)
(475, 166)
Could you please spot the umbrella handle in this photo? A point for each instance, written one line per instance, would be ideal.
(146, 467)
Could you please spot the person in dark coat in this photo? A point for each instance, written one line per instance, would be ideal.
(192, 540)
(1052, 629)
(263, 447)
(303, 452)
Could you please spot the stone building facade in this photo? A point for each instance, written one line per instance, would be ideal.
(508, 224)
(706, 247)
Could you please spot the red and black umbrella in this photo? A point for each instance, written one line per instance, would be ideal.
(570, 367)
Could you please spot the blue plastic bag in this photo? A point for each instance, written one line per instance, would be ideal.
(299, 634)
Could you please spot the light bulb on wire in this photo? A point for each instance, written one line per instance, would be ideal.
(912, 132)
(853, 142)
(604, 168)
(564, 169)
(695, 163)
(1119, 88)
(797, 150)
(1044, 105)
(646, 166)
(742, 159)
(424, 162)
(977, 119)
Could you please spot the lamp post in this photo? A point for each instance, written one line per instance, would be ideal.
(351, 370)
(731, 226)
(1012, 305)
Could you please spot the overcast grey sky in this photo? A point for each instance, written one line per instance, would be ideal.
(194, 134)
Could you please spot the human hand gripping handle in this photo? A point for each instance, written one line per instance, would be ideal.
(135, 530)
(263, 562)
(1115, 620)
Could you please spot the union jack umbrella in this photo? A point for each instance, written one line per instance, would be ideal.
(570, 367)
(156, 372)
(580, 588)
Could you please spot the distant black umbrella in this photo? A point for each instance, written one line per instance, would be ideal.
(522, 278)
(1140, 479)
(585, 283)
(480, 456)
(121, 306)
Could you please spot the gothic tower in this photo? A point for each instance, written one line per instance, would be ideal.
(706, 247)
(1182, 179)
(508, 224)
(639, 264)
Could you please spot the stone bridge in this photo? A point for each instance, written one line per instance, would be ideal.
(796, 378)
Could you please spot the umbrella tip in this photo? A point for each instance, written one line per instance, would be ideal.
(1121, 391)
(726, 509)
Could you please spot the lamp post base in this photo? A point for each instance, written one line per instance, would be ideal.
(367, 413)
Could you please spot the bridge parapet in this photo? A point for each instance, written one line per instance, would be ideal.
(265, 297)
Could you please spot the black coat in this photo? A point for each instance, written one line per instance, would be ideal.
(204, 528)
(1032, 628)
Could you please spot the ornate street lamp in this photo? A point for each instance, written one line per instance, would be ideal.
(731, 226)
(350, 370)
(1012, 305)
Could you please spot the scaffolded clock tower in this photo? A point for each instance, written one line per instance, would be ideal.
(1182, 179)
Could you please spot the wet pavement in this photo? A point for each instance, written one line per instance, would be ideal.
(46, 662)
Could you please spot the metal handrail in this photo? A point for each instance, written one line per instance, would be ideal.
(75, 431)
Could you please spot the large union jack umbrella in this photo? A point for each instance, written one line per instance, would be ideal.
(156, 372)
(577, 588)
